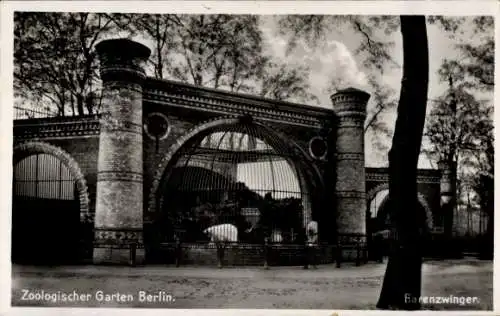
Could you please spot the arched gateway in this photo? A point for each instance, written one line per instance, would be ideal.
(165, 160)
(233, 171)
(50, 204)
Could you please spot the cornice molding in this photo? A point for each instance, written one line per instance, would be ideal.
(222, 102)
(349, 156)
(59, 127)
(376, 177)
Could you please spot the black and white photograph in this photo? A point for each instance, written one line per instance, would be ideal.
(220, 160)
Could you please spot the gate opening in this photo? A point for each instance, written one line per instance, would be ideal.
(238, 186)
(46, 212)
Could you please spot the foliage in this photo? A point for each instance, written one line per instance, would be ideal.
(313, 29)
(156, 27)
(284, 82)
(55, 63)
(219, 51)
(209, 50)
(475, 63)
(460, 125)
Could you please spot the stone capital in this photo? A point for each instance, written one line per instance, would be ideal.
(122, 60)
(350, 102)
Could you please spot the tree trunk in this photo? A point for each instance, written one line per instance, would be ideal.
(79, 104)
(452, 162)
(73, 105)
(402, 282)
(159, 64)
(490, 235)
(488, 195)
(449, 208)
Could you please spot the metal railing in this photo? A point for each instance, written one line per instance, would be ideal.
(23, 113)
(266, 254)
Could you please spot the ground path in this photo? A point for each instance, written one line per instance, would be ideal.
(328, 287)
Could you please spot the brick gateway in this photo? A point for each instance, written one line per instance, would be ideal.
(160, 148)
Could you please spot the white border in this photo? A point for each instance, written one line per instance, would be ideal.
(264, 7)
(241, 7)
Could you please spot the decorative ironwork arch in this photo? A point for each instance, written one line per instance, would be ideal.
(284, 144)
(26, 149)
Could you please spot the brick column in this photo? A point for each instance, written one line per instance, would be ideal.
(119, 206)
(350, 191)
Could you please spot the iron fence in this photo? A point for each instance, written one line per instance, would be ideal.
(45, 211)
(265, 254)
(23, 113)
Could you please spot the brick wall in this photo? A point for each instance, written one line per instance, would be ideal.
(85, 152)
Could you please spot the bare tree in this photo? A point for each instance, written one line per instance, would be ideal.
(283, 82)
(55, 64)
(219, 51)
(403, 275)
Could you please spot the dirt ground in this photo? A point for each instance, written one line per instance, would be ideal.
(327, 287)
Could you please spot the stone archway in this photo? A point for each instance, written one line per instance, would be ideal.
(206, 126)
(26, 149)
(421, 199)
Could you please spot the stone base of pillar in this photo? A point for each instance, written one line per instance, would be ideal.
(118, 246)
(351, 255)
(118, 256)
(352, 249)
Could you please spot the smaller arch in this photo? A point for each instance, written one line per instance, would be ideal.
(377, 202)
(429, 217)
(29, 148)
(371, 194)
(420, 197)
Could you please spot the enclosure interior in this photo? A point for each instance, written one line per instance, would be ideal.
(239, 175)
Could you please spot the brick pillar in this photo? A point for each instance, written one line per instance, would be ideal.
(119, 202)
(448, 188)
(350, 191)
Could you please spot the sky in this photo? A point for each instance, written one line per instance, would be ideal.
(337, 54)
(335, 58)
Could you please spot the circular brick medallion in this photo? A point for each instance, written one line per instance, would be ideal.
(157, 126)
(318, 148)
